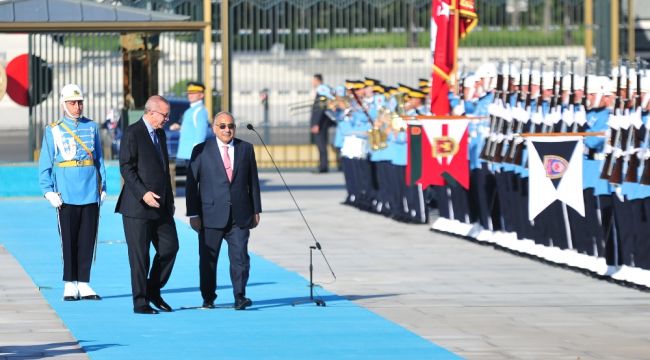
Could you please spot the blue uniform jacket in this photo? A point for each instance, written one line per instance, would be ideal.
(596, 121)
(195, 128)
(78, 185)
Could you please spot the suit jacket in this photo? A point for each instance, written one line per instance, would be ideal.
(143, 171)
(318, 116)
(208, 192)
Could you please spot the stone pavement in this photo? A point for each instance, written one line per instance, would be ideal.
(476, 301)
(29, 327)
(471, 299)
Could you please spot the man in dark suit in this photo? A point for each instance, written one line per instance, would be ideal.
(223, 202)
(147, 206)
(320, 121)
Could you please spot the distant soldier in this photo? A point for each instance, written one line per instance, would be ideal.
(320, 121)
(73, 179)
(195, 126)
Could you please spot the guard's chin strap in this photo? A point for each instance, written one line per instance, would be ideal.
(598, 99)
(67, 113)
(646, 99)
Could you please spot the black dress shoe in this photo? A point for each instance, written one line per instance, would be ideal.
(208, 305)
(242, 303)
(70, 298)
(160, 304)
(148, 310)
(91, 297)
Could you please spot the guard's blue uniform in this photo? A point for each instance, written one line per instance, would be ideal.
(78, 175)
(596, 121)
(78, 185)
(195, 128)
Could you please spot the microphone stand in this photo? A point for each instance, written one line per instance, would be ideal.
(315, 246)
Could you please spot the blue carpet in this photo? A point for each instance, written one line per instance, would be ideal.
(271, 329)
(19, 180)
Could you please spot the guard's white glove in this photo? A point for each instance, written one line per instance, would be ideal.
(54, 199)
(102, 197)
(458, 109)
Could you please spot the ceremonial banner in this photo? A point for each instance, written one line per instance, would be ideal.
(442, 49)
(555, 173)
(450, 20)
(468, 17)
(438, 153)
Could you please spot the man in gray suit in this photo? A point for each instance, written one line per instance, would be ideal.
(223, 202)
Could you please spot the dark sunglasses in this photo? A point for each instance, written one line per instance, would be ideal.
(229, 126)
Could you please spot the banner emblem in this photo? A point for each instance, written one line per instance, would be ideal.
(444, 146)
(555, 166)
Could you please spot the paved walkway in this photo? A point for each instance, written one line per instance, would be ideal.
(471, 299)
(29, 327)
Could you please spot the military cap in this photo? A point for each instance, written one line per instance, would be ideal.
(195, 87)
(371, 82)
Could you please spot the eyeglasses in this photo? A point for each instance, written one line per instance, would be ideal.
(166, 116)
(229, 126)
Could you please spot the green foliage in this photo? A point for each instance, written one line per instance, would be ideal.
(370, 41)
(179, 88)
(477, 38)
(98, 42)
(520, 38)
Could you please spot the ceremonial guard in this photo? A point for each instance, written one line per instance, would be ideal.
(195, 126)
(73, 179)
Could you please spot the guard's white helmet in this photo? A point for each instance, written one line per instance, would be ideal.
(593, 84)
(608, 85)
(71, 92)
(578, 82)
(486, 70)
(548, 80)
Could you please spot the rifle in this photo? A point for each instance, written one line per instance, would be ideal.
(578, 127)
(572, 89)
(633, 161)
(555, 105)
(461, 84)
(626, 132)
(499, 149)
(518, 156)
(615, 133)
(645, 177)
(515, 143)
(487, 153)
(572, 97)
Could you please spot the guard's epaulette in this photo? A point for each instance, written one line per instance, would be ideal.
(55, 123)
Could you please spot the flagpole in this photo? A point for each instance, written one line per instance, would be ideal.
(454, 69)
(567, 226)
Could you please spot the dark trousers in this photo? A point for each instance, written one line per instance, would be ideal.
(78, 225)
(611, 250)
(140, 234)
(628, 220)
(210, 240)
(322, 140)
(642, 249)
(348, 175)
(586, 232)
(398, 174)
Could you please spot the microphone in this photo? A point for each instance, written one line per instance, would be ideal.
(316, 243)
